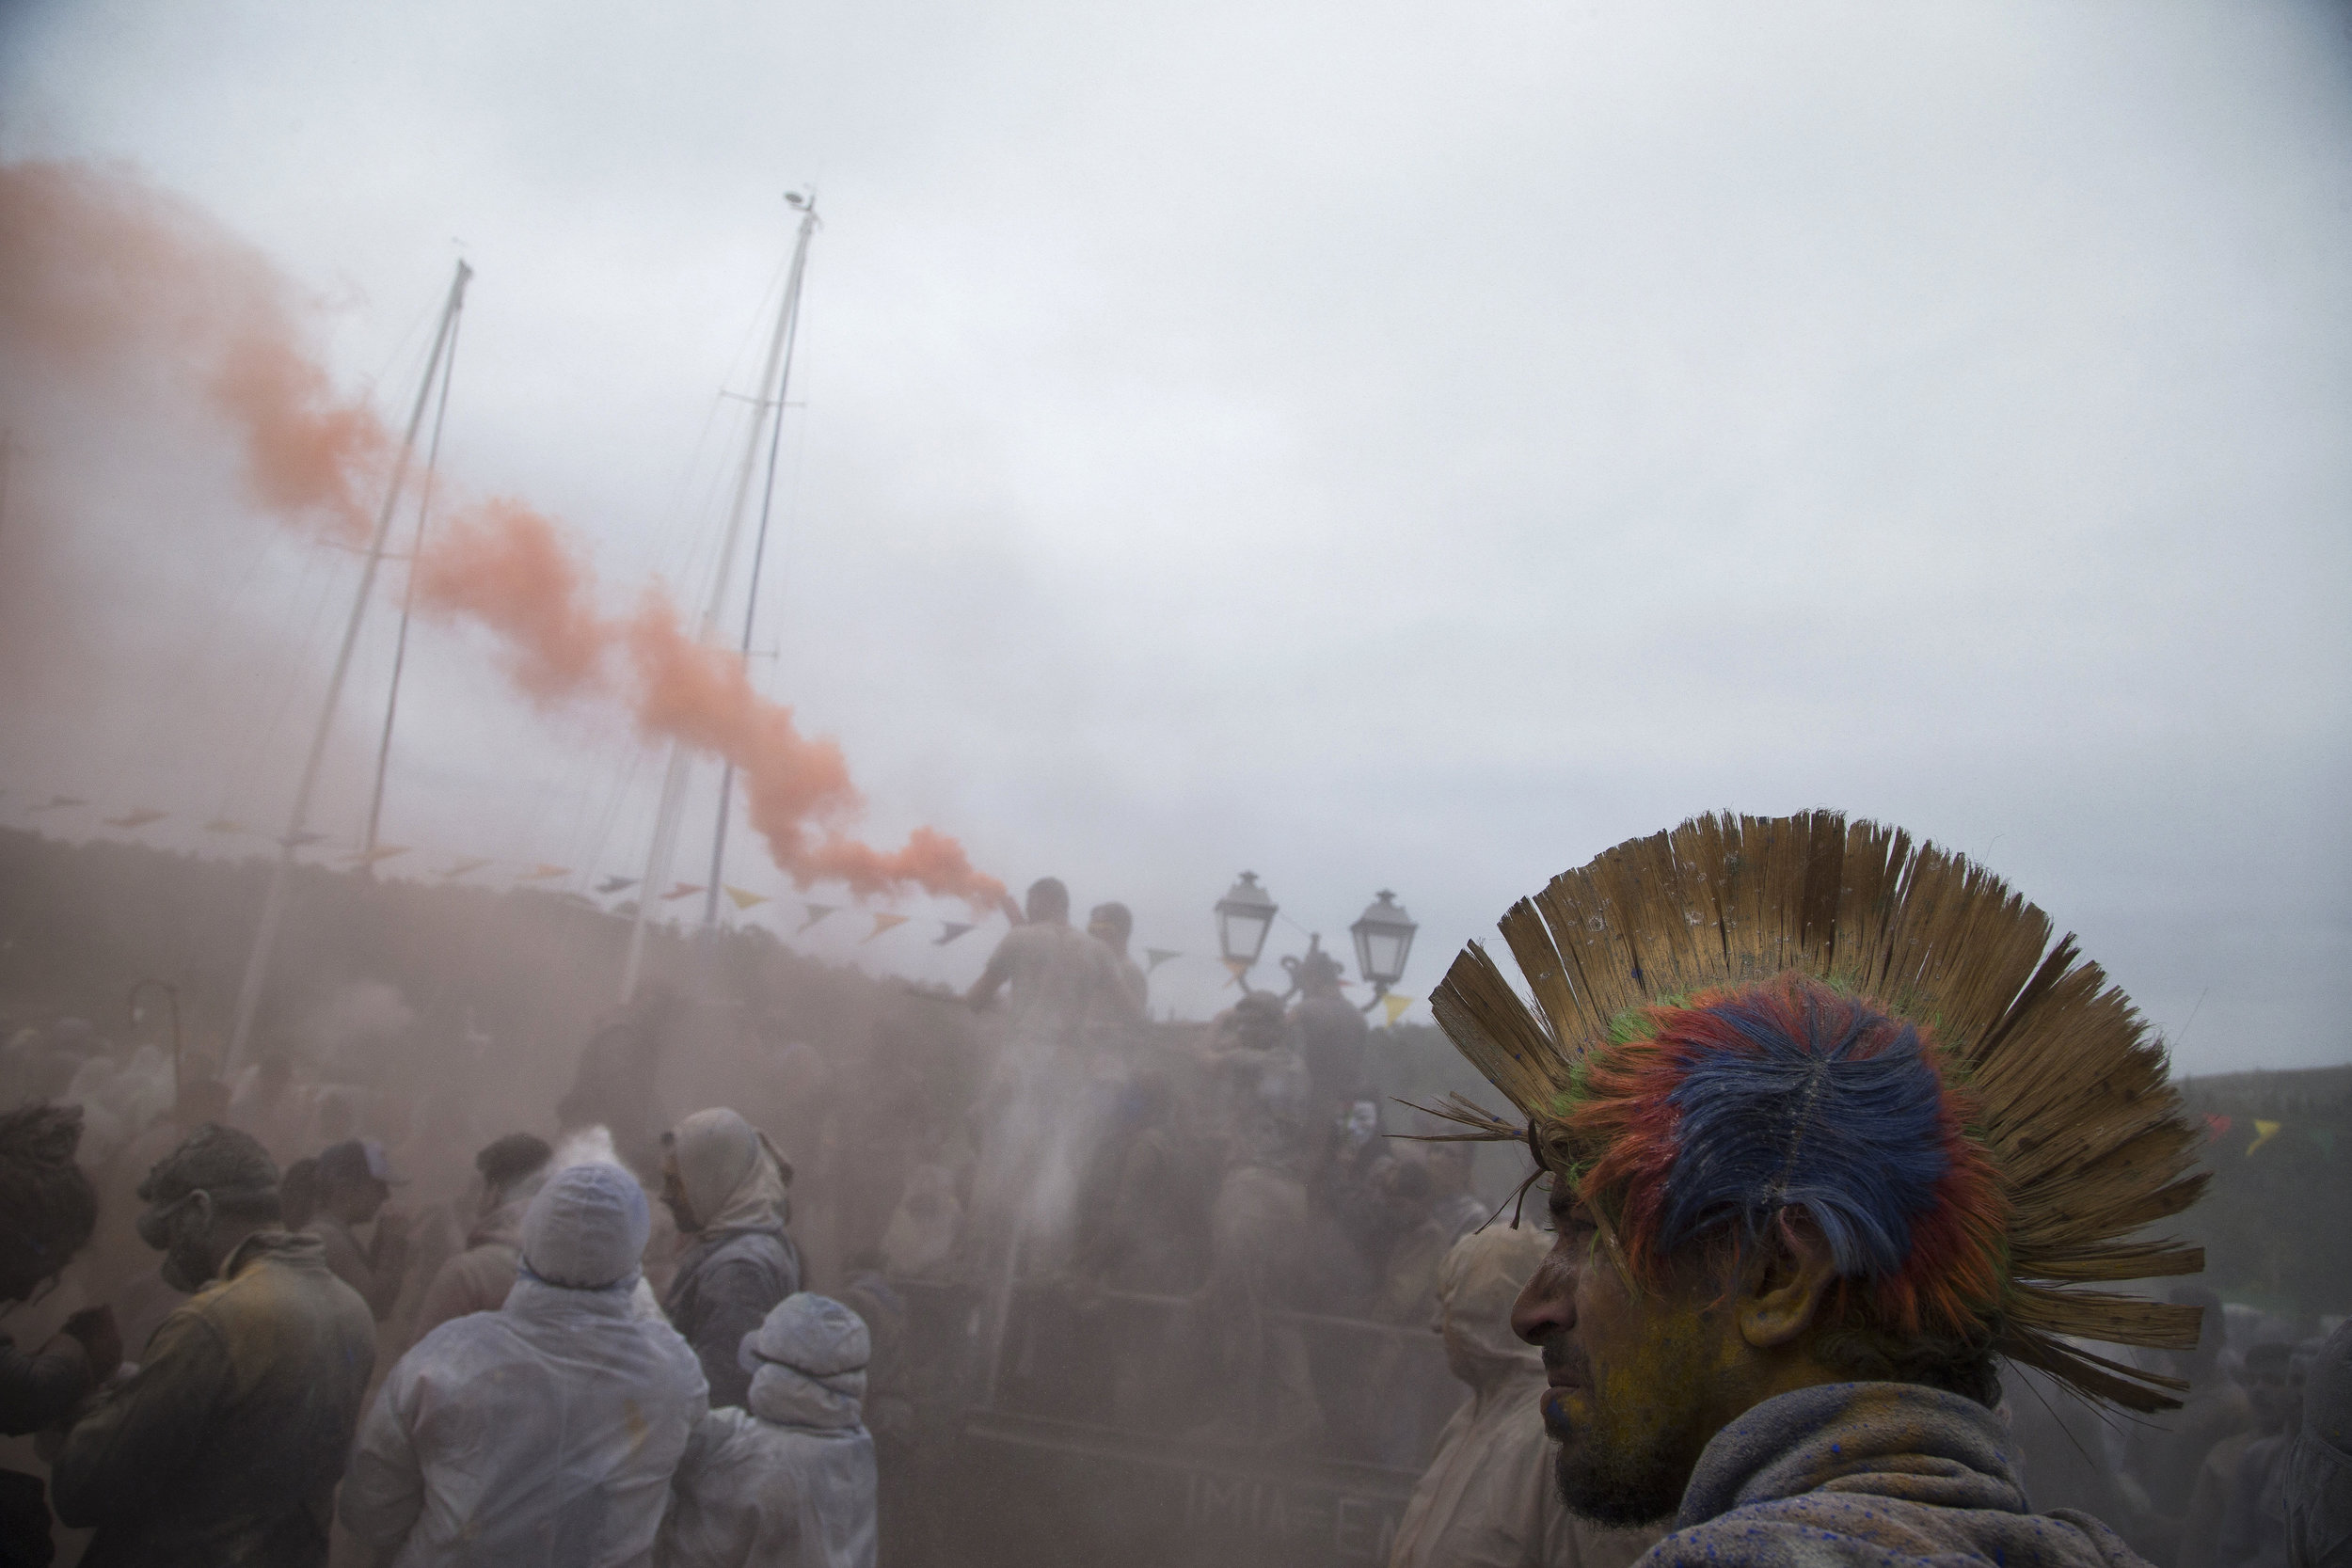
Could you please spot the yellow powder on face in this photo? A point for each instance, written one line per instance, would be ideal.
(1668, 1373)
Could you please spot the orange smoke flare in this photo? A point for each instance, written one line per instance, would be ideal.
(101, 271)
(103, 277)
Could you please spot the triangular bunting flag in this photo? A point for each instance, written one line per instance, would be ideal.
(472, 863)
(615, 884)
(1396, 1004)
(2263, 1132)
(223, 825)
(1158, 956)
(815, 913)
(949, 931)
(139, 818)
(882, 923)
(381, 852)
(2217, 1127)
(1237, 968)
(55, 801)
(681, 891)
(541, 873)
(742, 898)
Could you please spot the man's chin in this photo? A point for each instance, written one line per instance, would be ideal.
(1616, 1490)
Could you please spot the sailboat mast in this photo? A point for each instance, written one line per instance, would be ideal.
(408, 602)
(274, 904)
(759, 541)
(664, 844)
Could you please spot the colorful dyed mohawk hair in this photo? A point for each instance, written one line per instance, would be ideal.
(1749, 1014)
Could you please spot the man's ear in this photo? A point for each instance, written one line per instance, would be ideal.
(200, 1206)
(1787, 1276)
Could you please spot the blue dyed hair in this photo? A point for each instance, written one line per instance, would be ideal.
(1719, 1114)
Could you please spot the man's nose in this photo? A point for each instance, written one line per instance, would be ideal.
(1546, 1302)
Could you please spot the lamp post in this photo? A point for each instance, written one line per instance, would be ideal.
(1384, 939)
(1244, 916)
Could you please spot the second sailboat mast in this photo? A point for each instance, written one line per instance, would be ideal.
(791, 324)
(774, 373)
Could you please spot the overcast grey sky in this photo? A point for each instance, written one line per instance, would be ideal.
(1380, 444)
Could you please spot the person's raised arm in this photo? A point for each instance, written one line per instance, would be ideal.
(992, 978)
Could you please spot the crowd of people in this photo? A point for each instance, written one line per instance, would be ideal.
(574, 1333)
(321, 1321)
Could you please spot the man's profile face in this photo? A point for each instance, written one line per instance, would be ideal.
(182, 1230)
(1632, 1377)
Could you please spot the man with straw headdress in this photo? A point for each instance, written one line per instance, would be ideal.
(1830, 1126)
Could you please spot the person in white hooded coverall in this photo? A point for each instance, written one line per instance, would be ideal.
(1487, 1498)
(791, 1483)
(542, 1435)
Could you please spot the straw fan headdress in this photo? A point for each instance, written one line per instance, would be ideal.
(1881, 1031)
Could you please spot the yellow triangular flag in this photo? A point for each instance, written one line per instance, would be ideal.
(541, 873)
(743, 899)
(1237, 968)
(2263, 1132)
(462, 868)
(884, 922)
(1396, 1004)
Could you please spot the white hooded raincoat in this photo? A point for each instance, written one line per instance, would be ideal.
(542, 1435)
(791, 1483)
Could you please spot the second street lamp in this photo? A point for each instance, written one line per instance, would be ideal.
(1384, 939)
(1244, 916)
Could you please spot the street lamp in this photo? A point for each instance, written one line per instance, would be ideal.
(1384, 939)
(1244, 916)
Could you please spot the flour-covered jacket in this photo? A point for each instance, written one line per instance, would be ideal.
(225, 1447)
(542, 1434)
(789, 1483)
(1872, 1473)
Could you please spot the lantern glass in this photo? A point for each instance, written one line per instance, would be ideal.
(1244, 916)
(1384, 939)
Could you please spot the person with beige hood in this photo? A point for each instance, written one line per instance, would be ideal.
(725, 1185)
(1487, 1498)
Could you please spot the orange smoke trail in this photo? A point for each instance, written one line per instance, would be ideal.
(506, 567)
(103, 273)
(104, 276)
